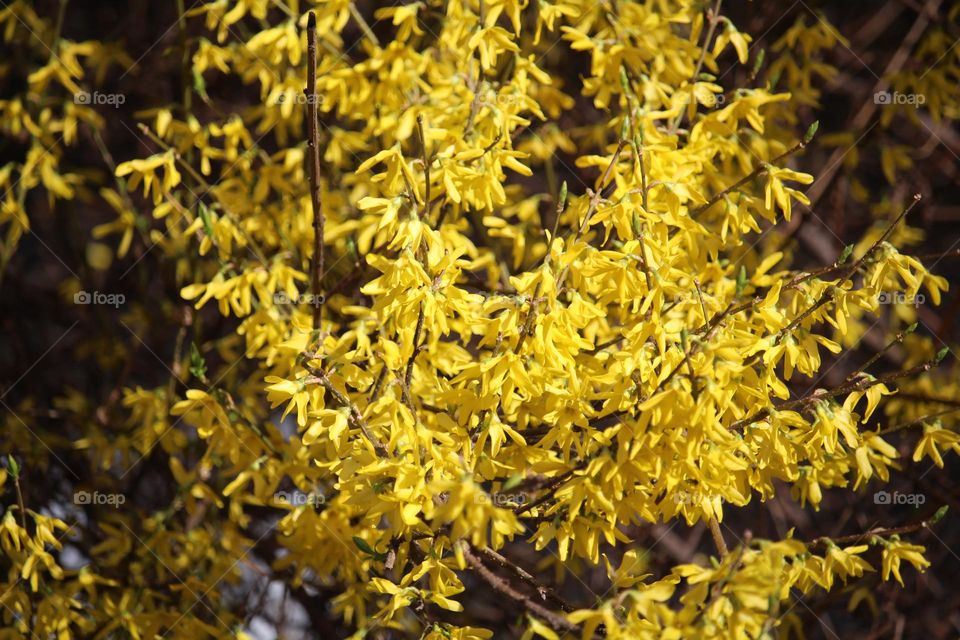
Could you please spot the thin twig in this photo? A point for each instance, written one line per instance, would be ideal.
(830, 292)
(186, 64)
(714, 18)
(556, 621)
(425, 155)
(759, 169)
(527, 328)
(703, 306)
(594, 202)
(545, 592)
(313, 143)
(356, 418)
(552, 487)
(716, 591)
(639, 152)
(408, 376)
(362, 22)
(883, 531)
(862, 384)
(20, 502)
(718, 536)
(708, 330)
(375, 388)
(917, 422)
(869, 363)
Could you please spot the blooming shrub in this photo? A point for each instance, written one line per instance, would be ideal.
(415, 346)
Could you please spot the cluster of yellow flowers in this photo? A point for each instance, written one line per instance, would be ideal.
(503, 355)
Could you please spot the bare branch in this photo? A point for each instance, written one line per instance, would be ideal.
(313, 144)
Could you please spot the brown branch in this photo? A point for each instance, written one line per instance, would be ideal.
(731, 310)
(313, 144)
(15, 471)
(527, 328)
(356, 418)
(866, 365)
(918, 421)
(603, 345)
(594, 203)
(802, 277)
(613, 419)
(713, 16)
(716, 591)
(862, 384)
(830, 292)
(686, 358)
(758, 170)
(718, 536)
(408, 376)
(859, 537)
(553, 619)
(425, 157)
(198, 198)
(375, 387)
(595, 200)
(644, 189)
(551, 488)
(709, 329)
(545, 592)
(937, 256)
(685, 362)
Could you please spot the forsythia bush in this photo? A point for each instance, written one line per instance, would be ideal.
(452, 349)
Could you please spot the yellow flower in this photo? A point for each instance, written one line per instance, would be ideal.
(895, 551)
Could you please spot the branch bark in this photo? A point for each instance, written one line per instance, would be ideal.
(553, 619)
(313, 144)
